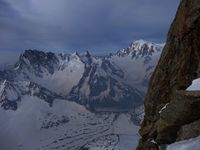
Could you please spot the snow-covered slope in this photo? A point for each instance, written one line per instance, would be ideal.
(102, 86)
(11, 93)
(195, 86)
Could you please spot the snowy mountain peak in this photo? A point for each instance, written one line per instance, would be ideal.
(142, 45)
(37, 62)
(75, 54)
(141, 41)
(140, 48)
(33, 55)
(87, 54)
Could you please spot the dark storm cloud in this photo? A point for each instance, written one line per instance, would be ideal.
(82, 24)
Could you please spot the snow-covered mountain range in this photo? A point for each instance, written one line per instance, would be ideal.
(118, 81)
(41, 96)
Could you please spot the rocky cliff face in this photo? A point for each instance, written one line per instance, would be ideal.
(169, 109)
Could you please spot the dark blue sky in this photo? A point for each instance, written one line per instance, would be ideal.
(95, 25)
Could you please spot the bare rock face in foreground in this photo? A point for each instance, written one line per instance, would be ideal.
(178, 66)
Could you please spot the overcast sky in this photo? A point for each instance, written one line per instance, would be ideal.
(95, 25)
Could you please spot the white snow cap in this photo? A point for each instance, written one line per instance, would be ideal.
(138, 44)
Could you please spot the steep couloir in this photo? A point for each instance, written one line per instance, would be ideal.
(169, 109)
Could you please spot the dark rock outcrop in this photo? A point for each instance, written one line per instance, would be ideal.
(182, 109)
(188, 131)
(37, 62)
(178, 66)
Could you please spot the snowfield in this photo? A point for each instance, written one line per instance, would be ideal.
(195, 86)
(66, 125)
(191, 144)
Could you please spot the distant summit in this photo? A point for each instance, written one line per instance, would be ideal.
(140, 48)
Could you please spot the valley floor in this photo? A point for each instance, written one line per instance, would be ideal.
(65, 126)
